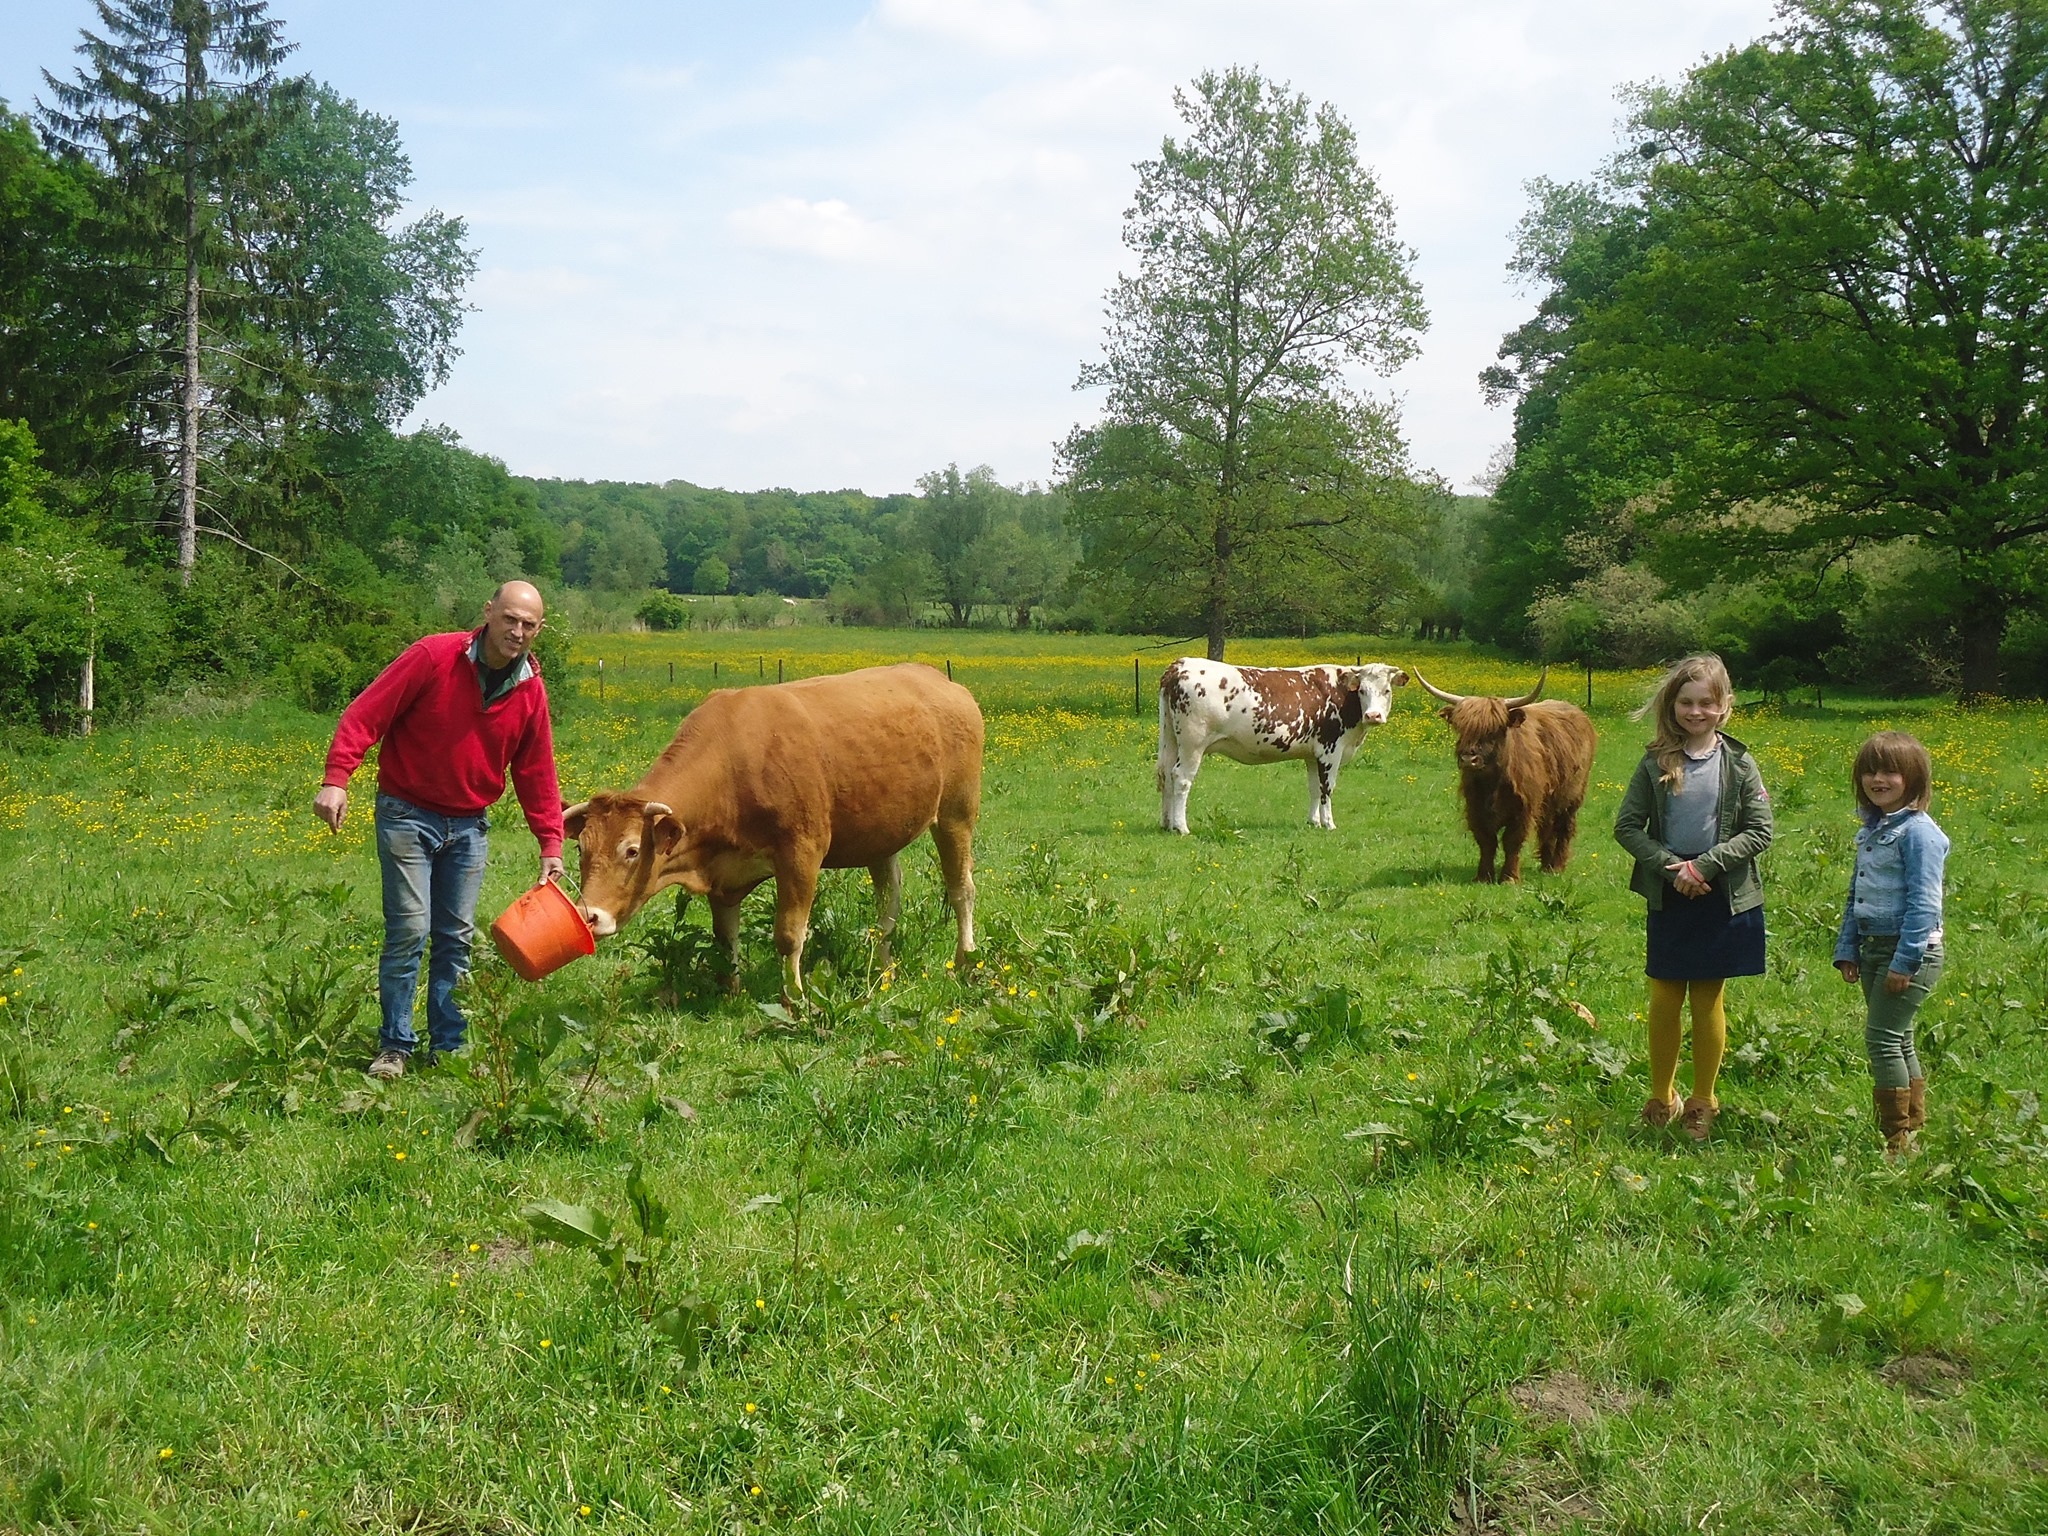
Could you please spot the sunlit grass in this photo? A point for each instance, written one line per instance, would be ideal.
(1076, 1230)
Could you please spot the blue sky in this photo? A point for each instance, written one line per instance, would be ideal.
(823, 245)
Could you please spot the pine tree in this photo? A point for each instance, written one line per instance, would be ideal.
(169, 104)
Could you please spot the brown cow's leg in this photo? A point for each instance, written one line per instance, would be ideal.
(1558, 832)
(796, 887)
(725, 927)
(1512, 837)
(955, 838)
(888, 878)
(1488, 839)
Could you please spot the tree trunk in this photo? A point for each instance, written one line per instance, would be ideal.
(1216, 608)
(188, 435)
(1983, 634)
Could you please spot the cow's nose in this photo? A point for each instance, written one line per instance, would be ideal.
(600, 921)
(1375, 717)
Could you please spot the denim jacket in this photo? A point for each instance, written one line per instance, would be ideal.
(1896, 887)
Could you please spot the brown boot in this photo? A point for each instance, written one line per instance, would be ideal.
(1916, 1112)
(1894, 1120)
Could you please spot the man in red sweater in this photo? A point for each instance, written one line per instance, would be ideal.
(452, 712)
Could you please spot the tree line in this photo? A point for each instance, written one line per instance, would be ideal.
(1780, 393)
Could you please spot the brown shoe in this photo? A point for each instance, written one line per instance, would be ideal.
(1658, 1113)
(1894, 1108)
(1916, 1104)
(1698, 1120)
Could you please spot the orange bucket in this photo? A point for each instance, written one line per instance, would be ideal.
(541, 932)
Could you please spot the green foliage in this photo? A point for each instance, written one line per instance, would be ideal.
(1750, 344)
(296, 1026)
(663, 611)
(711, 577)
(636, 1263)
(1908, 1321)
(526, 1086)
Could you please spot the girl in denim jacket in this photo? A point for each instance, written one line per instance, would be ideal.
(1891, 925)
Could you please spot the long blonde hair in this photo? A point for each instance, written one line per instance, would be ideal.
(1669, 743)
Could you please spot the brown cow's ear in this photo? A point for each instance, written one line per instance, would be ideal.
(1444, 713)
(1517, 716)
(573, 818)
(667, 832)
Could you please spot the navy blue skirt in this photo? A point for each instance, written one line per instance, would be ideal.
(1696, 938)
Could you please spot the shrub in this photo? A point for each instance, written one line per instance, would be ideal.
(321, 677)
(664, 611)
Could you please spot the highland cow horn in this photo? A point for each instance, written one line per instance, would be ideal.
(654, 808)
(1448, 698)
(1532, 696)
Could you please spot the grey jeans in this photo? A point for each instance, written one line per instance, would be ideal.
(1888, 1017)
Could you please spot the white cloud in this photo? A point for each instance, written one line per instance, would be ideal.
(829, 229)
(884, 247)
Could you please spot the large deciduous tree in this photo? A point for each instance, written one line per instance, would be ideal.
(168, 103)
(349, 316)
(1234, 447)
(1835, 332)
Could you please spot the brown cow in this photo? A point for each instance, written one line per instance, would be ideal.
(782, 781)
(1521, 764)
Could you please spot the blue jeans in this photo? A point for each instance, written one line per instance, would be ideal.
(433, 870)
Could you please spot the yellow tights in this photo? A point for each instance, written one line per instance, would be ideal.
(1709, 1036)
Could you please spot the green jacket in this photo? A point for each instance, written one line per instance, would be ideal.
(1743, 833)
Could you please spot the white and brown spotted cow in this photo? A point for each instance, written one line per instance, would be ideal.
(1261, 715)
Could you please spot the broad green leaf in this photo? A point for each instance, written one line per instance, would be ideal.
(576, 1226)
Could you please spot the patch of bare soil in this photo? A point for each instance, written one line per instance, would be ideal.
(1527, 1499)
(507, 1253)
(1569, 1397)
(1925, 1375)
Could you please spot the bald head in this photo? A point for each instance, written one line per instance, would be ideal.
(511, 620)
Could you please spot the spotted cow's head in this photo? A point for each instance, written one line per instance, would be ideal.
(1374, 684)
(622, 842)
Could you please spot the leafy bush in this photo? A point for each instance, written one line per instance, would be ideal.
(321, 677)
(664, 611)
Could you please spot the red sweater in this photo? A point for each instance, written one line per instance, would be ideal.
(443, 750)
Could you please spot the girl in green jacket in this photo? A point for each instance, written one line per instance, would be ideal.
(1695, 816)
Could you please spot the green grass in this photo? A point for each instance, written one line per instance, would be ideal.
(1297, 1197)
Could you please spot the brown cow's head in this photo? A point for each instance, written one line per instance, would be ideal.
(1482, 724)
(622, 842)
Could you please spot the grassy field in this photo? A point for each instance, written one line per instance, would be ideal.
(1262, 1179)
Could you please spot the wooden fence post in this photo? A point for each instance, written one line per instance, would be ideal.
(600, 679)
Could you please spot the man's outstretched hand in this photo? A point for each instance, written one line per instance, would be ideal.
(551, 869)
(330, 805)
